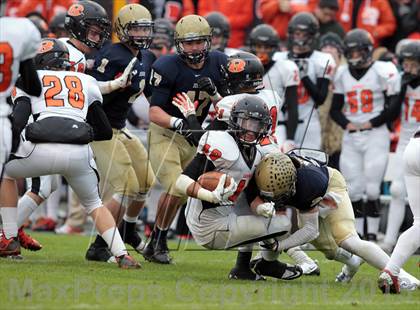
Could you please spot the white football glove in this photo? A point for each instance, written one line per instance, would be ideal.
(121, 82)
(221, 194)
(184, 104)
(266, 209)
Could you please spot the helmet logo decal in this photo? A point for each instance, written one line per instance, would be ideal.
(76, 10)
(46, 46)
(236, 65)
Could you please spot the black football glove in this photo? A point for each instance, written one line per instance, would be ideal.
(205, 83)
(181, 127)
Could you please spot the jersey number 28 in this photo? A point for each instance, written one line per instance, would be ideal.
(76, 97)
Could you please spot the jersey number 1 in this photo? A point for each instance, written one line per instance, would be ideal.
(76, 97)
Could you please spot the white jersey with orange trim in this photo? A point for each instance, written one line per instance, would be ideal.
(320, 65)
(410, 115)
(284, 73)
(64, 94)
(364, 98)
(77, 58)
(19, 41)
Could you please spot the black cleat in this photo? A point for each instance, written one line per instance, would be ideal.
(157, 252)
(244, 274)
(276, 269)
(99, 254)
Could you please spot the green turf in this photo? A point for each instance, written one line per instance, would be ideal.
(58, 277)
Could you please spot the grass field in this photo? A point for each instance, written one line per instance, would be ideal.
(58, 277)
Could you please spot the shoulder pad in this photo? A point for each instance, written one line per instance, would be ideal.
(219, 147)
(279, 55)
(321, 60)
(385, 69)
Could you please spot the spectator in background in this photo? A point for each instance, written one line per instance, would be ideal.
(46, 8)
(332, 134)
(277, 13)
(326, 12)
(57, 26)
(375, 16)
(240, 14)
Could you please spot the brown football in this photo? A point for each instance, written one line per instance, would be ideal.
(209, 180)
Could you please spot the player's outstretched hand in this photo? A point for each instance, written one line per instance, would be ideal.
(205, 83)
(266, 209)
(125, 79)
(184, 104)
(222, 193)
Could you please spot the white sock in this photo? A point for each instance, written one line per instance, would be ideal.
(299, 256)
(359, 225)
(26, 205)
(130, 219)
(373, 225)
(52, 204)
(347, 258)
(9, 216)
(268, 254)
(113, 238)
(395, 218)
(369, 251)
(407, 244)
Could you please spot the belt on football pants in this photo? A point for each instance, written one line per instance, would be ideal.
(417, 134)
(357, 130)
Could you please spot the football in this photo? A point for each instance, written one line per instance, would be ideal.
(209, 180)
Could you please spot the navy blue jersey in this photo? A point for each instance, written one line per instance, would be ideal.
(171, 75)
(110, 63)
(311, 186)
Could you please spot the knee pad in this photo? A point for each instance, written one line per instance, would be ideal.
(372, 208)
(398, 190)
(373, 190)
(358, 208)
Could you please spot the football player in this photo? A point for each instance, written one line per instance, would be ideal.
(220, 27)
(209, 215)
(362, 90)
(123, 161)
(89, 26)
(409, 104)
(281, 76)
(163, 37)
(408, 242)
(72, 102)
(19, 42)
(315, 72)
(325, 212)
(195, 71)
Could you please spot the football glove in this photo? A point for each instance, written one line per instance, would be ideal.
(205, 83)
(184, 104)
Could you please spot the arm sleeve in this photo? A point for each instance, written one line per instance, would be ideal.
(199, 165)
(21, 112)
(391, 102)
(319, 91)
(29, 80)
(308, 232)
(96, 117)
(291, 102)
(195, 127)
(336, 112)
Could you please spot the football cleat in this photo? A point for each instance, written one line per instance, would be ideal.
(244, 274)
(127, 262)
(27, 242)
(44, 224)
(388, 283)
(348, 271)
(276, 269)
(157, 252)
(68, 230)
(9, 247)
(99, 254)
(310, 269)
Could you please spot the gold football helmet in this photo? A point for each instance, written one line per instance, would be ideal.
(276, 177)
(192, 28)
(134, 17)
